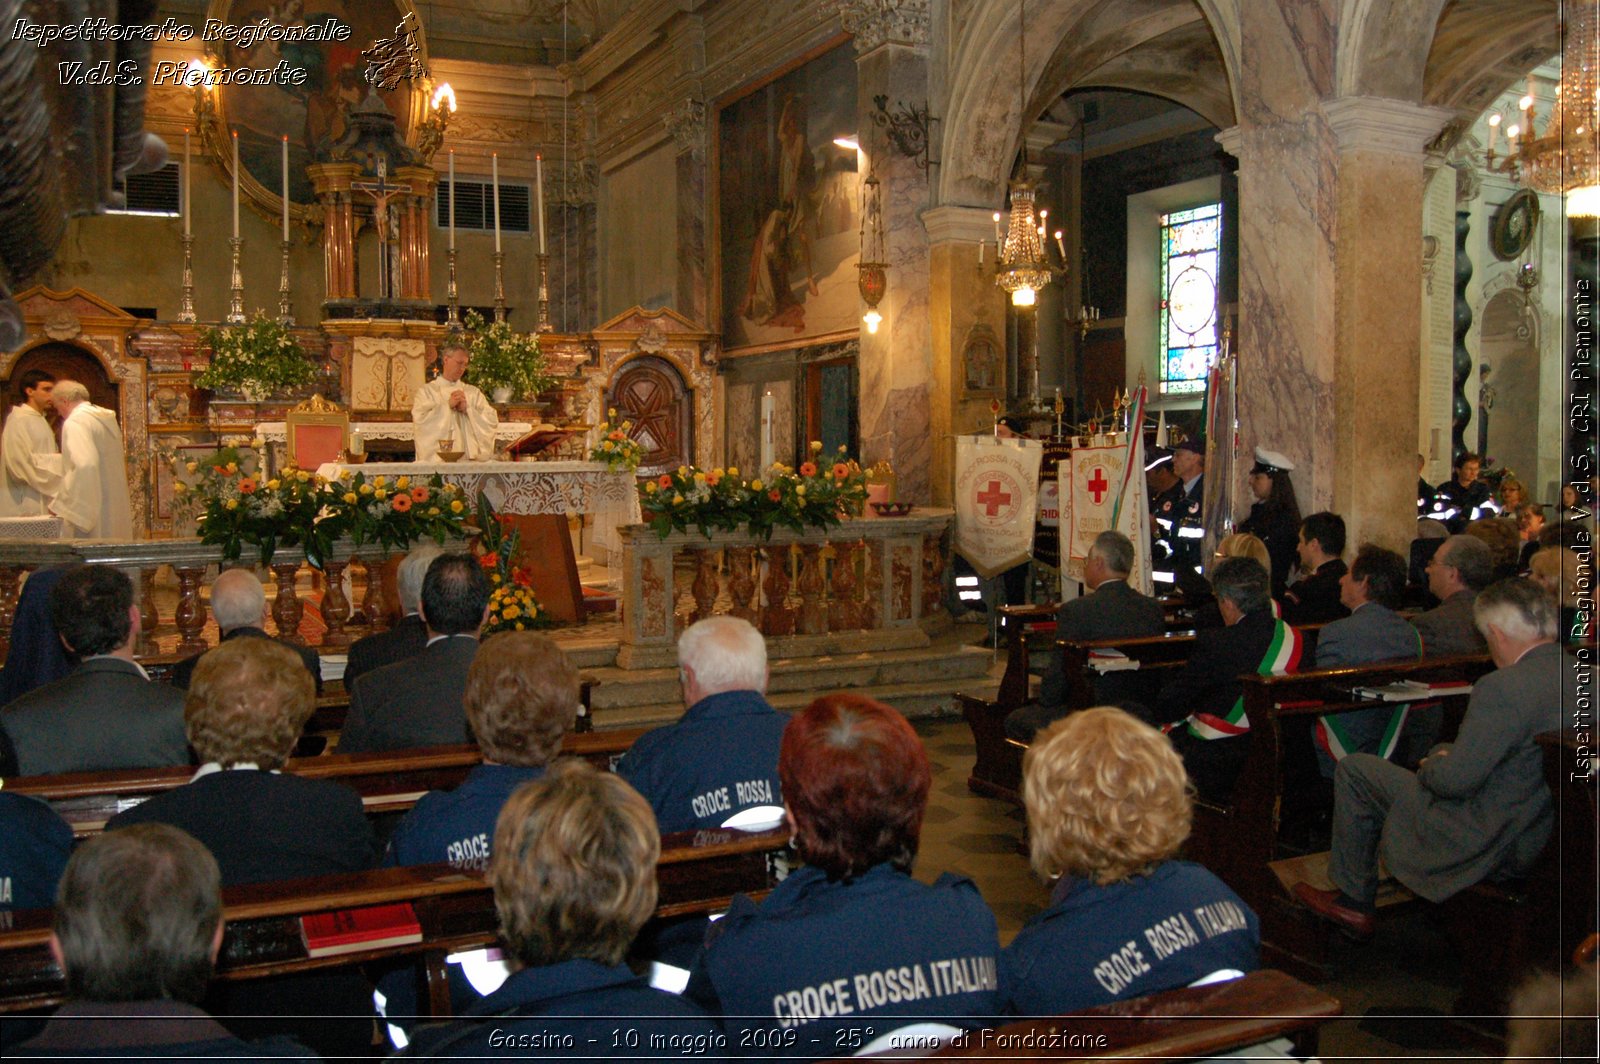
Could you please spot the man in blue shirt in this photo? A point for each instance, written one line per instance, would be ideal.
(721, 758)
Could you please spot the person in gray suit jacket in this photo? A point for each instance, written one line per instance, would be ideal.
(1111, 610)
(409, 635)
(107, 714)
(1476, 808)
(417, 702)
(1458, 570)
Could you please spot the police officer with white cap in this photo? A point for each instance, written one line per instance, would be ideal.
(1275, 515)
(1177, 513)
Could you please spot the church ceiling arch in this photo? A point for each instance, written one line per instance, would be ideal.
(1481, 47)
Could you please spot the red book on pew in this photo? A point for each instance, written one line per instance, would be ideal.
(350, 930)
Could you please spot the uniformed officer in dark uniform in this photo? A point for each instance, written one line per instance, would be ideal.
(1177, 513)
(1275, 515)
(1463, 498)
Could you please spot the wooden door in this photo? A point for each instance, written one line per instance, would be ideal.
(650, 393)
(831, 406)
(64, 362)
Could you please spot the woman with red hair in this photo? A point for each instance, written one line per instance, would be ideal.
(851, 935)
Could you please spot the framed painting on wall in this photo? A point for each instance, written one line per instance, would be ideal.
(788, 206)
(983, 362)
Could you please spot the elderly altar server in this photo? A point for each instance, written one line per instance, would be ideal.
(93, 499)
(30, 465)
(448, 408)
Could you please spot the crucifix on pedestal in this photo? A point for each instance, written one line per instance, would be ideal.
(382, 192)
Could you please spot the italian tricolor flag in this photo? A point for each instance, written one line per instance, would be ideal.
(1282, 656)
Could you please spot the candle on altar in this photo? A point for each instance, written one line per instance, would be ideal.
(452, 199)
(236, 184)
(187, 159)
(538, 187)
(494, 167)
(285, 190)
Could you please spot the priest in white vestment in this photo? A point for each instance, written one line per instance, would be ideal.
(448, 408)
(30, 464)
(93, 499)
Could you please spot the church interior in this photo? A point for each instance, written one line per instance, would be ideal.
(746, 225)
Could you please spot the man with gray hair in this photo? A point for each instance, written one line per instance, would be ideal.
(1458, 570)
(1111, 610)
(1475, 808)
(239, 604)
(409, 635)
(93, 498)
(721, 757)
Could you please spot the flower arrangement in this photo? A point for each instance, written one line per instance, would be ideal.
(616, 448)
(505, 359)
(396, 512)
(817, 495)
(258, 358)
(513, 607)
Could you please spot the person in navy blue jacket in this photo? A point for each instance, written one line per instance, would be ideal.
(574, 878)
(1108, 806)
(851, 940)
(722, 757)
(34, 846)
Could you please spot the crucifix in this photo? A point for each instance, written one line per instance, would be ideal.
(382, 192)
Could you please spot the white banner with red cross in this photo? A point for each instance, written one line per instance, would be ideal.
(1093, 480)
(997, 501)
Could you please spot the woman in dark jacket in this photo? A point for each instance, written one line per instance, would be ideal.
(1275, 515)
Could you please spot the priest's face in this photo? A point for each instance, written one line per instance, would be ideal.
(39, 395)
(453, 363)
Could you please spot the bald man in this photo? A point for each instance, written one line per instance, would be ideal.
(239, 603)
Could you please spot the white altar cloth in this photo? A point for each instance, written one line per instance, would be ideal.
(506, 432)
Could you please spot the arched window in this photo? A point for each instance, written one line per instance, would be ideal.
(1187, 329)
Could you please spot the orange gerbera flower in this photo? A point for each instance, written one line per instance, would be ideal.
(665, 480)
(401, 503)
(419, 494)
(808, 469)
(247, 486)
(775, 495)
(840, 470)
(616, 436)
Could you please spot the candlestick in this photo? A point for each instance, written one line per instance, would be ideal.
(452, 213)
(236, 302)
(187, 160)
(236, 184)
(499, 282)
(186, 308)
(544, 295)
(286, 190)
(453, 315)
(997, 237)
(981, 244)
(538, 187)
(494, 163)
(285, 314)
(1061, 246)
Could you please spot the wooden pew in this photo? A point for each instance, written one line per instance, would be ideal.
(1176, 1025)
(698, 872)
(388, 781)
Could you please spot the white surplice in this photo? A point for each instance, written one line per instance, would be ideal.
(94, 484)
(472, 431)
(30, 465)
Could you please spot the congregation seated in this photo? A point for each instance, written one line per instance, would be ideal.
(1202, 707)
(1111, 610)
(417, 701)
(721, 757)
(1315, 597)
(1197, 592)
(409, 635)
(138, 923)
(574, 879)
(1458, 570)
(35, 655)
(107, 714)
(1475, 809)
(34, 846)
(1559, 571)
(814, 956)
(1108, 808)
(239, 605)
(1499, 534)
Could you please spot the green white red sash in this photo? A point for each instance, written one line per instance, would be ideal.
(1282, 656)
(1336, 742)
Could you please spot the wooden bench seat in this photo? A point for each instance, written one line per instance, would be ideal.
(388, 781)
(698, 872)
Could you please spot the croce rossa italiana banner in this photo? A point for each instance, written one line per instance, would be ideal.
(997, 501)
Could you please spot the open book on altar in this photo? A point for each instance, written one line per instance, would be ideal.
(540, 438)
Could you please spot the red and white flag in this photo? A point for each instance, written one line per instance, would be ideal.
(997, 501)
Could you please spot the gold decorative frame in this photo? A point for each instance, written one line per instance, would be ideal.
(318, 413)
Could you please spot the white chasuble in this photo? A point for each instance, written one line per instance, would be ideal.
(30, 465)
(94, 485)
(472, 430)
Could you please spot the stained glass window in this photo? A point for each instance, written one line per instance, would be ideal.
(1188, 326)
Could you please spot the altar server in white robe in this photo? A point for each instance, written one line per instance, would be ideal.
(94, 480)
(448, 408)
(30, 464)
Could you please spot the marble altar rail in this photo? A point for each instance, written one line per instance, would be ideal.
(870, 583)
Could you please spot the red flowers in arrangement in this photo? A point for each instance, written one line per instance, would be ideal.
(400, 503)
(247, 486)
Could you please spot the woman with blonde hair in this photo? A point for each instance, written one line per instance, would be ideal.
(1198, 590)
(1108, 807)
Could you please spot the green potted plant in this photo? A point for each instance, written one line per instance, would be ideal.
(505, 364)
(257, 359)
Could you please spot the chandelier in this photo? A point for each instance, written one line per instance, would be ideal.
(1565, 159)
(1024, 267)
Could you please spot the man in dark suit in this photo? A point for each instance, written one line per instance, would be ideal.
(1202, 709)
(1178, 514)
(1315, 598)
(1111, 610)
(1475, 808)
(417, 702)
(1458, 570)
(409, 636)
(239, 604)
(107, 714)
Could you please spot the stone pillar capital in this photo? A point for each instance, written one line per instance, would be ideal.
(1379, 124)
(955, 224)
(875, 23)
(1231, 139)
(687, 124)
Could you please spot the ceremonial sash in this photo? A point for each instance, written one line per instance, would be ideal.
(1282, 656)
(1335, 741)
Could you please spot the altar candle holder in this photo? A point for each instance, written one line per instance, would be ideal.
(499, 287)
(452, 301)
(186, 308)
(544, 295)
(285, 313)
(236, 301)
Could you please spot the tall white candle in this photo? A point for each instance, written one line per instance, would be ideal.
(538, 187)
(494, 164)
(452, 199)
(285, 190)
(187, 160)
(236, 184)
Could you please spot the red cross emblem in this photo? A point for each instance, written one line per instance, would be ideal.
(1098, 484)
(992, 498)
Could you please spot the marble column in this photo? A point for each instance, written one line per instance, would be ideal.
(896, 365)
(687, 124)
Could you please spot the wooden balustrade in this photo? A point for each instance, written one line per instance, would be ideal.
(875, 575)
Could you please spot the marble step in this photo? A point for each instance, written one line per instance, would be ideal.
(620, 688)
